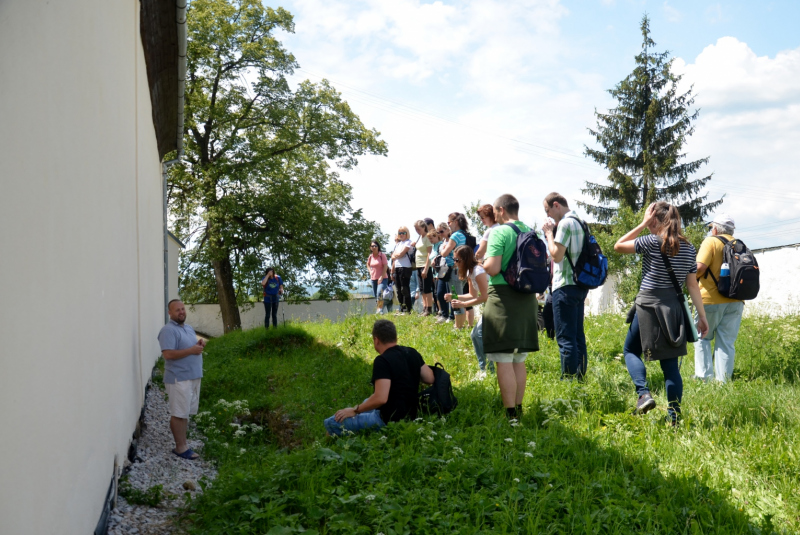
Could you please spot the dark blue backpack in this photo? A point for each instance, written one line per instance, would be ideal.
(591, 268)
(527, 269)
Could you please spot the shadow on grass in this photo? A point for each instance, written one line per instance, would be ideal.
(469, 473)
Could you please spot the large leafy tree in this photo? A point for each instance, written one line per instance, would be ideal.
(260, 189)
(643, 141)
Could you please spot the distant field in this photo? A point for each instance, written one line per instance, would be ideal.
(578, 463)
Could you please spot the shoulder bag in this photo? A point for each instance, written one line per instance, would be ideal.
(688, 322)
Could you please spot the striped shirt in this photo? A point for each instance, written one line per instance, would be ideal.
(654, 272)
(569, 234)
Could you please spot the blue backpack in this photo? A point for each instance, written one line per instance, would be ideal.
(527, 271)
(591, 268)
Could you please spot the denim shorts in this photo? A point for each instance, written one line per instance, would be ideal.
(459, 284)
(359, 422)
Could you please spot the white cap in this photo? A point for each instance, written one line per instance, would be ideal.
(723, 219)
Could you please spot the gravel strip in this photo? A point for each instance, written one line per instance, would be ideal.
(155, 464)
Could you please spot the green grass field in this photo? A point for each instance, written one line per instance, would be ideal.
(579, 462)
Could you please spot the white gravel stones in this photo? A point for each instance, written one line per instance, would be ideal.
(155, 464)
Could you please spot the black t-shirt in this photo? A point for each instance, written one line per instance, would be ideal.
(401, 365)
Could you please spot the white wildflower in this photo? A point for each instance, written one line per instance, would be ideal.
(448, 461)
(225, 444)
(242, 451)
(514, 424)
(240, 433)
(418, 419)
(447, 437)
(509, 440)
(432, 432)
(516, 479)
(532, 444)
(383, 438)
(369, 497)
(421, 430)
(457, 450)
(429, 438)
(528, 454)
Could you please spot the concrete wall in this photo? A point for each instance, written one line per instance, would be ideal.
(206, 319)
(82, 256)
(779, 294)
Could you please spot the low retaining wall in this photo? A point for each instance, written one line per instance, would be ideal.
(207, 319)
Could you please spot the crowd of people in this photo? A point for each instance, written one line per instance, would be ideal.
(455, 273)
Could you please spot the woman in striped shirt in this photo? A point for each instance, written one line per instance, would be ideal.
(657, 326)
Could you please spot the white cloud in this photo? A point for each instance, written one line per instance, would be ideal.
(671, 13)
(750, 126)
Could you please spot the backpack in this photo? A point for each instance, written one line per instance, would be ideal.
(472, 242)
(412, 254)
(743, 282)
(438, 398)
(591, 268)
(526, 271)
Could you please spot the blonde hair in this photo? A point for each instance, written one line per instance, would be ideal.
(404, 229)
(433, 234)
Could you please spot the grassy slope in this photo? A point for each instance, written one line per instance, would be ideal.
(579, 463)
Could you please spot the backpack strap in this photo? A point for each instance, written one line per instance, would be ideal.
(708, 269)
(670, 271)
(516, 228)
(585, 230)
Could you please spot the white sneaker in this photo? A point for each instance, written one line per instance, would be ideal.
(440, 320)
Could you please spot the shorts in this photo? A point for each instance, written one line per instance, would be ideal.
(459, 286)
(427, 282)
(507, 357)
(184, 397)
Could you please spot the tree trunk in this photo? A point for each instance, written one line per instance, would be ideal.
(226, 294)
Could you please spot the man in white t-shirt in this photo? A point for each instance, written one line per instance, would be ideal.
(568, 298)
(403, 270)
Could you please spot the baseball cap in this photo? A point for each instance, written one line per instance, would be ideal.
(723, 219)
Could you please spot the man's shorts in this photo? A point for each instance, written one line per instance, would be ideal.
(184, 396)
(506, 357)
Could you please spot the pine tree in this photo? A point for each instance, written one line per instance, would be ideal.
(642, 141)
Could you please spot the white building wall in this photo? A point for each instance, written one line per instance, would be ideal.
(81, 268)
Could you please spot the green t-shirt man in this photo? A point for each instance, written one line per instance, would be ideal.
(502, 242)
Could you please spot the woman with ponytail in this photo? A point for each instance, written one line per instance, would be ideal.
(657, 328)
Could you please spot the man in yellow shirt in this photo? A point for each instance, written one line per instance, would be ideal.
(724, 315)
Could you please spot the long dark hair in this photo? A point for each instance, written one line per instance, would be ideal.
(466, 261)
(461, 219)
(668, 226)
(266, 273)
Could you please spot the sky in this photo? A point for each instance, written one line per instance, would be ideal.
(478, 98)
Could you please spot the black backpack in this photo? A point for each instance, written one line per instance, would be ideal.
(591, 267)
(438, 398)
(527, 271)
(472, 242)
(743, 283)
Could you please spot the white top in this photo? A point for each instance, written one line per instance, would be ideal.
(477, 270)
(488, 232)
(403, 261)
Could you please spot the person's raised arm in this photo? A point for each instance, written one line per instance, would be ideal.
(697, 299)
(627, 243)
(448, 247)
(426, 374)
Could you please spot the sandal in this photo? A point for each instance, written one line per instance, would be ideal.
(188, 454)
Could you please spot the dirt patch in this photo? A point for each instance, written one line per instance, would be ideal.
(281, 427)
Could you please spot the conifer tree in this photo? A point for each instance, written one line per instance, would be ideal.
(643, 141)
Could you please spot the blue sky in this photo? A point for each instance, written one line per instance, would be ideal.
(483, 97)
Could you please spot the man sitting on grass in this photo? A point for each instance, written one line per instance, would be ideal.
(396, 374)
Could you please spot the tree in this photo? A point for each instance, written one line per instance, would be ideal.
(642, 141)
(259, 190)
(471, 211)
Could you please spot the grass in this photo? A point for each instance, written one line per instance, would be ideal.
(578, 463)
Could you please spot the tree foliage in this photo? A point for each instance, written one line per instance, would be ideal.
(260, 189)
(643, 140)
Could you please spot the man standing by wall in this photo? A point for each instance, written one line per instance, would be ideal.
(510, 327)
(568, 299)
(183, 369)
(724, 315)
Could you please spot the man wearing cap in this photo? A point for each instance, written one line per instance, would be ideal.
(724, 315)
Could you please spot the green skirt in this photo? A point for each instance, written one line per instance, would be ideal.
(510, 321)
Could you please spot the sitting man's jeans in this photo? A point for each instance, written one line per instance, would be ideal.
(568, 303)
(359, 422)
(477, 343)
(673, 382)
(723, 324)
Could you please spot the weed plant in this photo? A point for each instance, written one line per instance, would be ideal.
(576, 462)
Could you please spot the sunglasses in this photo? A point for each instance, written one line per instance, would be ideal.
(441, 232)
(457, 260)
(401, 233)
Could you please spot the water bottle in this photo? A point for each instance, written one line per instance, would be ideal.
(724, 285)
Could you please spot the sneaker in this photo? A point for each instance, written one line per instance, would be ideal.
(441, 319)
(645, 404)
(426, 313)
(448, 320)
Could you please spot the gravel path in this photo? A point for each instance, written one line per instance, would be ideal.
(155, 464)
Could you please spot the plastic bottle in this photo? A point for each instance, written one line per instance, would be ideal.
(724, 285)
(725, 270)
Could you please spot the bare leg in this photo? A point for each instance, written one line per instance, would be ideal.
(521, 375)
(471, 317)
(460, 320)
(507, 381)
(178, 427)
